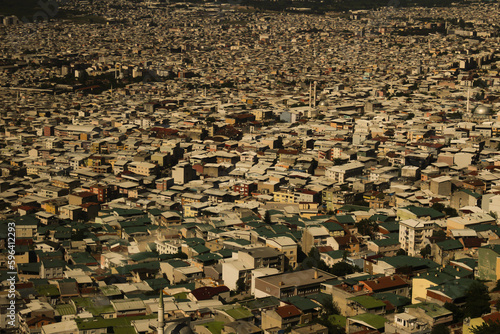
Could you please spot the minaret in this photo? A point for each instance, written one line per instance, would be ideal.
(468, 98)
(310, 94)
(161, 314)
(314, 94)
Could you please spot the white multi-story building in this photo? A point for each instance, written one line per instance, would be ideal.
(413, 233)
(170, 247)
(340, 173)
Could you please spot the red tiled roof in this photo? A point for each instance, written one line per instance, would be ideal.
(325, 249)
(492, 317)
(384, 283)
(208, 292)
(288, 311)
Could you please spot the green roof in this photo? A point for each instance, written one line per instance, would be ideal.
(30, 219)
(65, 309)
(335, 254)
(181, 296)
(320, 297)
(215, 327)
(471, 263)
(424, 212)
(280, 229)
(142, 221)
(110, 290)
(371, 320)
(47, 290)
(470, 192)
(142, 256)
(225, 253)
(351, 208)
(396, 300)
(454, 289)
(391, 226)
(128, 212)
(124, 330)
(302, 303)
(82, 258)
(435, 276)
(402, 261)
(333, 226)
(208, 257)
(98, 322)
(368, 302)
(345, 219)
(337, 320)
(139, 229)
(200, 249)
(54, 263)
(259, 303)
(431, 309)
(153, 265)
(33, 267)
(178, 263)
(95, 305)
(155, 212)
(450, 244)
(385, 242)
(157, 283)
(239, 313)
(485, 227)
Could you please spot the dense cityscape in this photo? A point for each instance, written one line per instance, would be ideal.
(222, 168)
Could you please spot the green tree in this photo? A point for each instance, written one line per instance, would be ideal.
(366, 227)
(342, 269)
(458, 313)
(401, 252)
(477, 300)
(490, 327)
(313, 260)
(450, 212)
(440, 329)
(330, 308)
(267, 217)
(240, 284)
(438, 206)
(426, 251)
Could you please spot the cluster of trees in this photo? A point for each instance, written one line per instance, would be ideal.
(448, 211)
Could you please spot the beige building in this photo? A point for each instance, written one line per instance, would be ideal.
(287, 246)
(317, 236)
(301, 283)
(142, 168)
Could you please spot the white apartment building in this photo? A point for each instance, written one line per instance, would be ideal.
(412, 234)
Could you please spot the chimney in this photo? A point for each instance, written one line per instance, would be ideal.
(315, 274)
